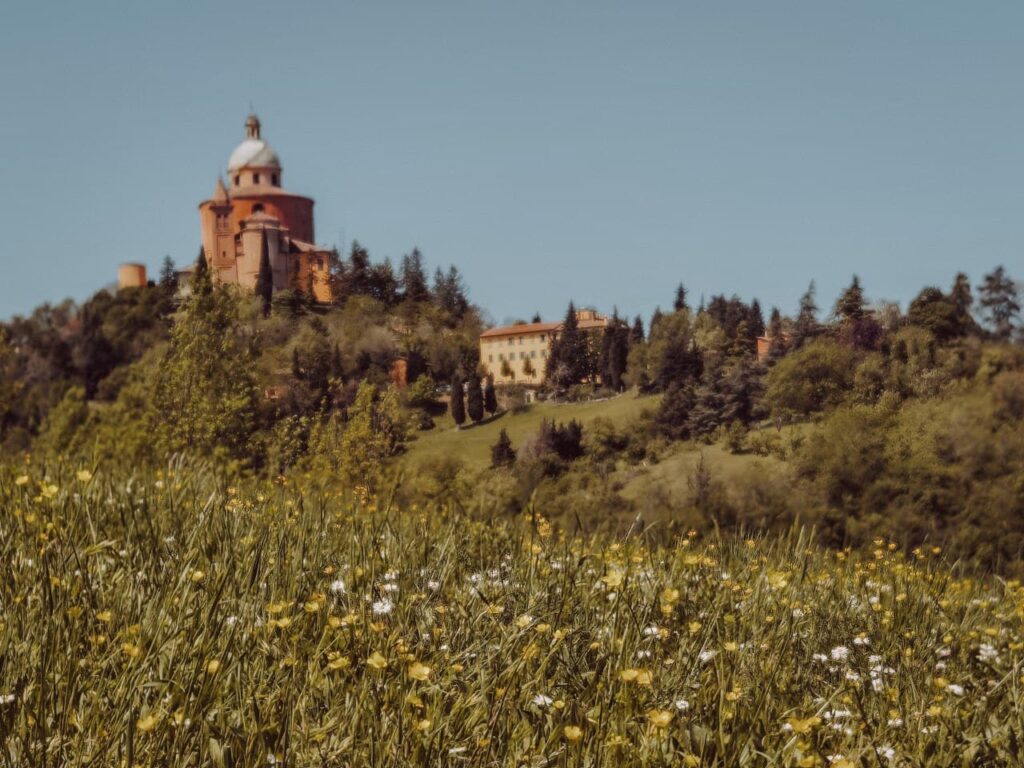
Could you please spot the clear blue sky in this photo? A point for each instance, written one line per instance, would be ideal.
(599, 151)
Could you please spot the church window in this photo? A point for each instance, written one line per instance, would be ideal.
(273, 180)
(238, 179)
(255, 178)
(258, 208)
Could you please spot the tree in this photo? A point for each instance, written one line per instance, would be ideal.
(963, 300)
(1000, 302)
(490, 396)
(636, 333)
(528, 370)
(168, 276)
(755, 321)
(458, 403)
(934, 311)
(850, 305)
(810, 379)
(806, 326)
(680, 301)
(413, 278)
(357, 277)
(373, 433)
(204, 397)
(673, 417)
(265, 276)
(382, 284)
(502, 453)
(474, 398)
(536, 318)
(201, 274)
(569, 361)
(449, 293)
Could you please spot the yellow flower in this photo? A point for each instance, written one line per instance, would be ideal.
(337, 661)
(105, 616)
(613, 579)
(312, 606)
(423, 725)
(49, 491)
(804, 725)
(22, 480)
(377, 661)
(524, 621)
(197, 576)
(638, 676)
(147, 723)
(212, 667)
(693, 627)
(731, 646)
(495, 610)
(669, 595)
(572, 733)
(131, 651)
(84, 475)
(660, 718)
(419, 671)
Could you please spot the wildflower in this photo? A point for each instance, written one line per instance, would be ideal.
(212, 667)
(147, 723)
(840, 653)
(682, 705)
(801, 726)
(131, 651)
(706, 656)
(376, 661)
(956, 690)
(197, 576)
(338, 587)
(84, 475)
(524, 621)
(613, 579)
(419, 671)
(572, 733)
(6, 698)
(336, 661)
(542, 701)
(659, 718)
(423, 725)
(105, 616)
(638, 676)
(730, 646)
(22, 480)
(382, 607)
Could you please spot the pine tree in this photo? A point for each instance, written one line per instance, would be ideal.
(1000, 302)
(569, 361)
(413, 278)
(778, 347)
(502, 453)
(850, 305)
(672, 419)
(265, 276)
(458, 403)
(474, 398)
(680, 301)
(168, 276)
(536, 318)
(806, 326)
(357, 277)
(755, 320)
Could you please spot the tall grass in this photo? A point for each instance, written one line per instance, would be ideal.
(172, 620)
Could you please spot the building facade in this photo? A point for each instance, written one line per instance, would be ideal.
(518, 354)
(253, 206)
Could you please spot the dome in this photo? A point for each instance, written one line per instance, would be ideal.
(254, 151)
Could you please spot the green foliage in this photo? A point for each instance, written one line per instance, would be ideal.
(204, 396)
(458, 403)
(490, 396)
(810, 379)
(1000, 301)
(502, 452)
(474, 398)
(265, 276)
(422, 393)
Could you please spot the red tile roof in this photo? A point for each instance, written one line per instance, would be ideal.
(520, 329)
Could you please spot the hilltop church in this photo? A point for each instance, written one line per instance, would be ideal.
(252, 206)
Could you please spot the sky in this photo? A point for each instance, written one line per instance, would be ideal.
(553, 150)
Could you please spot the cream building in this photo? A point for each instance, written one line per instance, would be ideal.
(518, 354)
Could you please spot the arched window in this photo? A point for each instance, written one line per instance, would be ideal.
(238, 179)
(258, 208)
(273, 180)
(255, 178)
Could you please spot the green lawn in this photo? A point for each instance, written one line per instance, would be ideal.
(473, 444)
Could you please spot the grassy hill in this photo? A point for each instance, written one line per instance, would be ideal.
(473, 444)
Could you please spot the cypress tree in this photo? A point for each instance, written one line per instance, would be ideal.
(963, 299)
(806, 326)
(490, 397)
(474, 398)
(636, 333)
(168, 276)
(265, 277)
(458, 404)
(201, 282)
(569, 362)
(755, 320)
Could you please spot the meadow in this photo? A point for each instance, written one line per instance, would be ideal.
(175, 619)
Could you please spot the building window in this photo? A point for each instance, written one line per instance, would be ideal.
(520, 339)
(490, 358)
(542, 337)
(255, 178)
(511, 342)
(258, 208)
(273, 180)
(238, 180)
(534, 353)
(522, 355)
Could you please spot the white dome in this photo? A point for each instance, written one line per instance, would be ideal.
(253, 152)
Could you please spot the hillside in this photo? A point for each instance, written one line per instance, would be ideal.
(472, 444)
